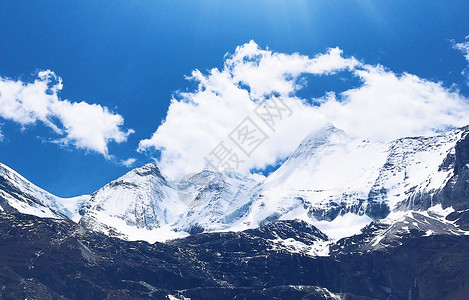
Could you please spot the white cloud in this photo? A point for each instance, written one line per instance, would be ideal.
(389, 106)
(199, 121)
(464, 48)
(266, 72)
(128, 162)
(83, 125)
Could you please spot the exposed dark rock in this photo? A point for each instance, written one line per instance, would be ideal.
(456, 192)
(277, 292)
(461, 218)
(296, 229)
(58, 259)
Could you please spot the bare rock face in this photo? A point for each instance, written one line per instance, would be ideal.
(58, 259)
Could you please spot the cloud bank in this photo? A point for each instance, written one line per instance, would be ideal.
(385, 106)
(80, 124)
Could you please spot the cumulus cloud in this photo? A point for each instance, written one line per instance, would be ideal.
(206, 122)
(265, 71)
(197, 122)
(83, 125)
(388, 106)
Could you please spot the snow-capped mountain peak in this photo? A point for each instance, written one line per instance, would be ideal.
(140, 199)
(329, 174)
(143, 204)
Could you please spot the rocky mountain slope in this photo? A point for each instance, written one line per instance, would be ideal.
(58, 259)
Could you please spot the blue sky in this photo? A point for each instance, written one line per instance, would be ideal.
(133, 56)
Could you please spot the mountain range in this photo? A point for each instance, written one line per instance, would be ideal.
(336, 199)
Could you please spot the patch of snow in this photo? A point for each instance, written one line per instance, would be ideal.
(377, 240)
(429, 232)
(171, 297)
(29, 208)
(73, 205)
(438, 209)
(319, 248)
(343, 226)
(132, 233)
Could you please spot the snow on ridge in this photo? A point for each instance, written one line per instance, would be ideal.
(33, 200)
(145, 201)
